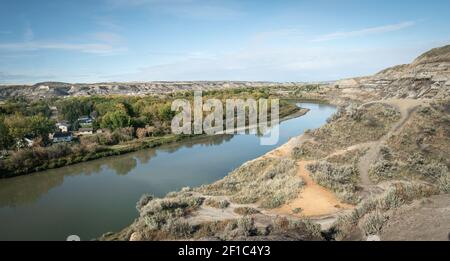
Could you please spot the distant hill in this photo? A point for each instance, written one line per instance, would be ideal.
(428, 76)
(60, 89)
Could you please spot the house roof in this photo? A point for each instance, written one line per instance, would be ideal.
(85, 129)
(63, 123)
(62, 134)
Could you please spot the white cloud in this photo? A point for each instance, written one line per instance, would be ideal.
(278, 64)
(93, 48)
(362, 32)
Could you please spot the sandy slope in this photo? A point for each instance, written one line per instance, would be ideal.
(314, 200)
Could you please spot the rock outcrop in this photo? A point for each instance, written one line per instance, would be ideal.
(428, 76)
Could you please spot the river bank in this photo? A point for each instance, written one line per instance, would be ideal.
(330, 176)
(286, 113)
(104, 192)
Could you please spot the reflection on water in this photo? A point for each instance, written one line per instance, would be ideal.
(91, 198)
(24, 190)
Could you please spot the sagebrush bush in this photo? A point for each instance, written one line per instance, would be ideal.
(395, 196)
(372, 222)
(178, 228)
(434, 170)
(443, 183)
(143, 201)
(269, 182)
(246, 211)
(382, 169)
(217, 203)
(159, 212)
(340, 179)
(246, 226)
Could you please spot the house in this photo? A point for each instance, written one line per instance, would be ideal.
(29, 142)
(63, 126)
(85, 131)
(100, 131)
(85, 121)
(62, 137)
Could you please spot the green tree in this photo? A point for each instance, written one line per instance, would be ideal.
(166, 113)
(115, 119)
(41, 126)
(5, 137)
(18, 126)
(73, 108)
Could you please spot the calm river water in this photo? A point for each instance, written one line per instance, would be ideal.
(89, 199)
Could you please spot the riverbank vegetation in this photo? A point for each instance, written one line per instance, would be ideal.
(268, 183)
(169, 219)
(117, 125)
(349, 126)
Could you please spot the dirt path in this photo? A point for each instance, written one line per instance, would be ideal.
(314, 200)
(405, 107)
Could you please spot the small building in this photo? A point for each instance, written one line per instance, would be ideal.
(62, 137)
(28, 142)
(85, 121)
(85, 131)
(63, 126)
(100, 131)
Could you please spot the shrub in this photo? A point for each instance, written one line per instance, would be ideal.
(382, 169)
(372, 222)
(246, 226)
(178, 228)
(313, 228)
(143, 201)
(340, 179)
(435, 170)
(123, 134)
(443, 183)
(272, 182)
(395, 196)
(246, 211)
(297, 210)
(217, 203)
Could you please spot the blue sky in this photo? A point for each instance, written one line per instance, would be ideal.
(144, 40)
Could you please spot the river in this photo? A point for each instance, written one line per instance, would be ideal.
(92, 198)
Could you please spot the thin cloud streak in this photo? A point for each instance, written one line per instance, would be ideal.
(92, 48)
(363, 32)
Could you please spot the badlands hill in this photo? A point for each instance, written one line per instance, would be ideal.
(60, 89)
(428, 76)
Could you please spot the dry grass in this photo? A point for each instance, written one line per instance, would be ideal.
(215, 203)
(349, 126)
(341, 179)
(269, 182)
(370, 215)
(246, 211)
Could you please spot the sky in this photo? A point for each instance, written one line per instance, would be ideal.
(239, 40)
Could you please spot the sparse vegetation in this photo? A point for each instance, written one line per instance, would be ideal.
(222, 203)
(246, 211)
(372, 222)
(340, 179)
(349, 126)
(268, 182)
(377, 208)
